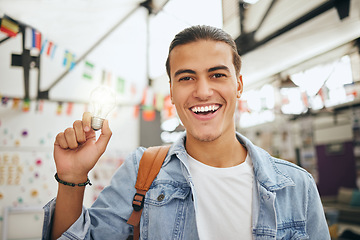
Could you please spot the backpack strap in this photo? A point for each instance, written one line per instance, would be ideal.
(149, 167)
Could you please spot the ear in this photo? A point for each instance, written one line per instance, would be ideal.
(239, 88)
(171, 94)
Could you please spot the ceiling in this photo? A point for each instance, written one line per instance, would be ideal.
(81, 24)
(116, 35)
(292, 49)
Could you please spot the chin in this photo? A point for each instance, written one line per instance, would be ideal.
(206, 137)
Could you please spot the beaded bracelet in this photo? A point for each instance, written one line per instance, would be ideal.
(72, 184)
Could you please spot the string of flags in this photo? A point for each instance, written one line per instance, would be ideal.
(34, 40)
(152, 103)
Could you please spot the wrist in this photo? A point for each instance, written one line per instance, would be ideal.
(73, 178)
(79, 183)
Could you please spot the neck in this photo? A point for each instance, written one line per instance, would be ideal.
(222, 152)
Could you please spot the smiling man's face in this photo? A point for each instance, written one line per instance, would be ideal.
(204, 88)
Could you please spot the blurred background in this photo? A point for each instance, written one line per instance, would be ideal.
(301, 72)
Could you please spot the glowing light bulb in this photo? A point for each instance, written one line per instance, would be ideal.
(102, 102)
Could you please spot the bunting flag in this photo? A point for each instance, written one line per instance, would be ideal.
(28, 38)
(4, 100)
(59, 108)
(43, 46)
(120, 85)
(53, 51)
(16, 102)
(48, 51)
(36, 39)
(168, 110)
(148, 100)
(69, 60)
(88, 70)
(148, 113)
(9, 26)
(136, 111)
(26, 105)
(69, 108)
(40, 106)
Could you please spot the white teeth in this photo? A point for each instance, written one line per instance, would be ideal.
(205, 109)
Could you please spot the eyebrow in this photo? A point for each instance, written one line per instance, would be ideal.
(220, 67)
(178, 72)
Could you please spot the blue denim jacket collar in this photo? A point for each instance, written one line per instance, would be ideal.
(265, 170)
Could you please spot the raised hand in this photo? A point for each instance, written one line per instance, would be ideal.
(76, 150)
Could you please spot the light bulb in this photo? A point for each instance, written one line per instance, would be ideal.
(102, 101)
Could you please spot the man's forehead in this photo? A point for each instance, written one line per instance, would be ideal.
(203, 54)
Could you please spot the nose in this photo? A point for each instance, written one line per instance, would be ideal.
(203, 89)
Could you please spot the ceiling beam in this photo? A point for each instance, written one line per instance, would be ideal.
(246, 41)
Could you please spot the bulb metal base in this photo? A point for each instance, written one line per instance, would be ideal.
(96, 123)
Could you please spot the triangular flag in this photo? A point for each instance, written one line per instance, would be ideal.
(53, 51)
(4, 100)
(136, 111)
(72, 63)
(26, 105)
(16, 102)
(28, 38)
(36, 39)
(69, 62)
(9, 26)
(120, 85)
(169, 110)
(148, 113)
(88, 70)
(69, 108)
(148, 97)
(40, 106)
(43, 46)
(59, 108)
(49, 48)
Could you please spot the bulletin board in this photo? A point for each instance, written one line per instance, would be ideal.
(27, 167)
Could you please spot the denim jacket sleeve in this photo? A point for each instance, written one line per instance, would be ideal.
(316, 225)
(109, 213)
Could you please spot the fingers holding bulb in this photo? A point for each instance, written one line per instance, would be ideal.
(79, 131)
(104, 137)
(86, 121)
(70, 137)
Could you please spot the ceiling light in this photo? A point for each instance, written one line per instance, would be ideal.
(250, 1)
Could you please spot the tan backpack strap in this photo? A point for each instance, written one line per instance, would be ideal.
(149, 167)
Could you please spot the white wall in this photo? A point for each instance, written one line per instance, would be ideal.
(26, 138)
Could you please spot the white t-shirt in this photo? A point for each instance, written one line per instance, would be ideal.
(223, 200)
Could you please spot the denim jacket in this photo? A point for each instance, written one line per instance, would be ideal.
(286, 202)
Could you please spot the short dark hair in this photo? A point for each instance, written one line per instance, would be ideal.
(203, 32)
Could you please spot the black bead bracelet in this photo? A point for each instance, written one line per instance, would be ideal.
(72, 184)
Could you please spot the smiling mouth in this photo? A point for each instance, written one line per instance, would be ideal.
(203, 110)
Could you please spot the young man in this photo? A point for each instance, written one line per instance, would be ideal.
(214, 183)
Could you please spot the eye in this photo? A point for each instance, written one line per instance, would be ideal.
(218, 75)
(185, 78)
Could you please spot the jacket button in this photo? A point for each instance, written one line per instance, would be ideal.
(161, 197)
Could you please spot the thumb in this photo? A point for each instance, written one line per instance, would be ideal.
(104, 137)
